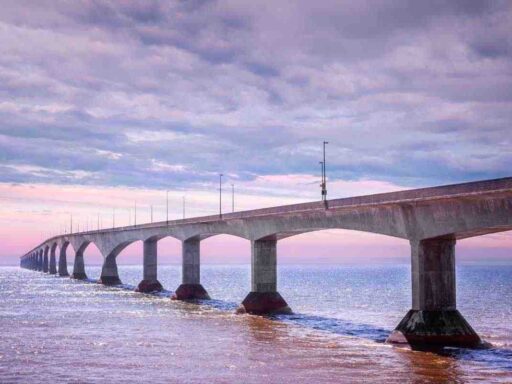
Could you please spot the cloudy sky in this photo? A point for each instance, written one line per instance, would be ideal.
(106, 102)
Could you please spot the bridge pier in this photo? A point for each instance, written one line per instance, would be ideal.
(191, 288)
(63, 264)
(79, 266)
(434, 319)
(264, 298)
(45, 260)
(53, 264)
(109, 275)
(150, 282)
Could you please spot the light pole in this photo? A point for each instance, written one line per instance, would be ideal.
(71, 224)
(322, 185)
(151, 213)
(232, 197)
(113, 217)
(98, 224)
(167, 206)
(183, 207)
(220, 194)
(135, 214)
(324, 176)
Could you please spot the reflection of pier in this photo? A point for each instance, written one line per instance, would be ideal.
(432, 219)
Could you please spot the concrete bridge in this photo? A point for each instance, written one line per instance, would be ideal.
(432, 219)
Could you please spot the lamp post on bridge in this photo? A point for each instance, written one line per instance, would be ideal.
(183, 207)
(220, 194)
(324, 176)
(167, 206)
(232, 197)
(322, 185)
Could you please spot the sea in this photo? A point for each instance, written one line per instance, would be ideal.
(58, 330)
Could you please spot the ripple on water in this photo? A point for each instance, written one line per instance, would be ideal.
(60, 330)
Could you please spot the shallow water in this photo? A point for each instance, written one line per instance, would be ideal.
(59, 330)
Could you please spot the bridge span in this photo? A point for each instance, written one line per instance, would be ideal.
(431, 219)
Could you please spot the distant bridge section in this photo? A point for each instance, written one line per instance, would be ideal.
(431, 219)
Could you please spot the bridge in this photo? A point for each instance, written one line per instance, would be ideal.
(431, 219)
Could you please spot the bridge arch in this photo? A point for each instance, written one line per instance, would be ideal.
(222, 248)
(203, 231)
(80, 245)
(283, 229)
(46, 250)
(334, 245)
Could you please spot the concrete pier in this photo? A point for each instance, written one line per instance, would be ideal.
(109, 275)
(63, 264)
(264, 298)
(53, 262)
(79, 266)
(150, 281)
(434, 318)
(191, 288)
(40, 260)
(45, 259)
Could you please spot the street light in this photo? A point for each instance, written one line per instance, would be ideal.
(322, 184)
(220, 194)
(167, 205)
(232, 197)
(183, 207)
(151, 213)
(324, 176)
(135, 214)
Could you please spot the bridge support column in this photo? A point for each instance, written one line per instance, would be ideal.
(264, 298)
(150, 282)
(53, 264)
(79, 266)
(45, 261)
(109, 275)
(191, 288)
(63, 263)
(434, 319)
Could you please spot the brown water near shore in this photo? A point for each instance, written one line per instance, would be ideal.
(59, 330)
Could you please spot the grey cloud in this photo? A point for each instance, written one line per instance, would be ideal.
(411, 92)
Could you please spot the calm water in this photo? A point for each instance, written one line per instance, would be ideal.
(58, 330)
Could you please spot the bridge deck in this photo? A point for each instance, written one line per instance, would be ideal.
(469, 189)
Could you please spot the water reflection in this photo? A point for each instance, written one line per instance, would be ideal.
(110, 334)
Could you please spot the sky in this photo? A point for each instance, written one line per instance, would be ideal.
(104, 103)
